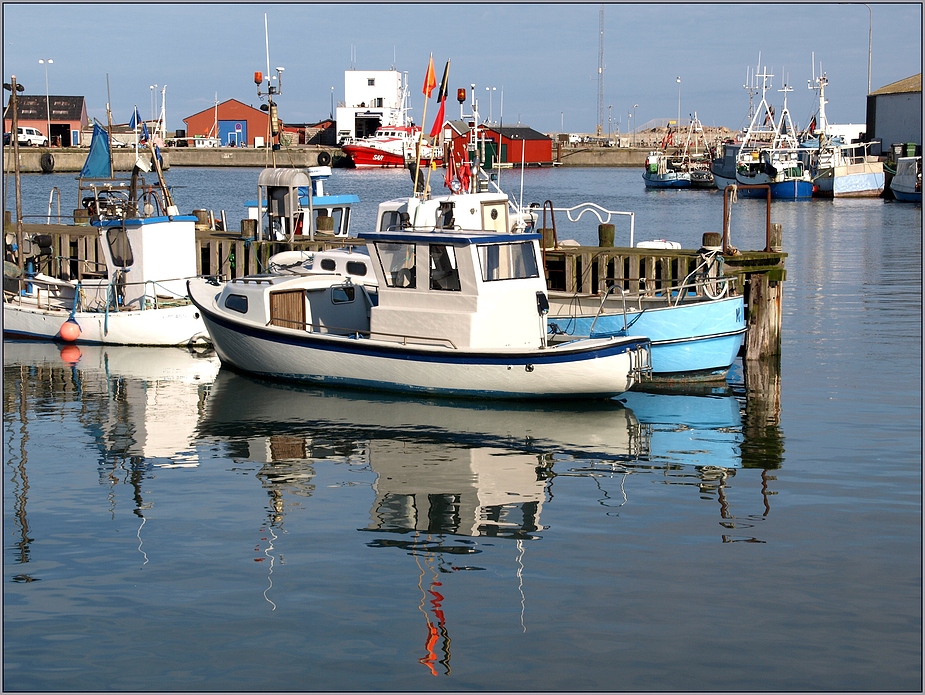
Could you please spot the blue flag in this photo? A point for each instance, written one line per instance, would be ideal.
(144, 132)
(135, 118)
(97, 164)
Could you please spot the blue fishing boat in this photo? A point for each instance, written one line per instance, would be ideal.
(660, 174)
(696, 328)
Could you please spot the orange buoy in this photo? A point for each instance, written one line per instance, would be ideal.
(70, 331)
(70, 354)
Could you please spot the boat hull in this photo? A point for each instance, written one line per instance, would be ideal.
(592, 368)
(175, 326)
(849, 185)
(906, 196)
(369, 157)
(671, 180)
(690, 342)
(795, 189)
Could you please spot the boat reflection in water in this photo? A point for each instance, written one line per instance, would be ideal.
(139, 403)
(448, 473)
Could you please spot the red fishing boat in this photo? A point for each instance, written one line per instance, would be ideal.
(391, 146)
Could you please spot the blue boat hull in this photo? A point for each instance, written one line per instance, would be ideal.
(907, 197)
(781, 190)
(691, 341)
(665, 181)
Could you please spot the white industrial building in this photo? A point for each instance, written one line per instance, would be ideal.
(372, 98)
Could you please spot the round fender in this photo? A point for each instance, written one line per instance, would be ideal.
(324, 159)
(47, 162)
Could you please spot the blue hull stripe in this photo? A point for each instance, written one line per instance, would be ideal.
(362, 346)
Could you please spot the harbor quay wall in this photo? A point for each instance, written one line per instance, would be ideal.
(67, 159)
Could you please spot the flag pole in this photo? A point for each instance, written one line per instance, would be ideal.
(430, 82)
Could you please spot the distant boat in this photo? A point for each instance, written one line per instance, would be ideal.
(390, 147)
(658, 173)
(777, 165)
(907, 182)
(839, 170)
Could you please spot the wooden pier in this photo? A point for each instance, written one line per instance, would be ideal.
(584, 270)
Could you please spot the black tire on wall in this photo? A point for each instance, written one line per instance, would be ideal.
(47, 162)
(324, 159)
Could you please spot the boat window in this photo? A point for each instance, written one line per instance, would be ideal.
(397, 263)
(507, 261)
(343, 294)
(236, 302)
(119, 247)
(328, 264)
(443, 272)
(391, 219)
(356, 268)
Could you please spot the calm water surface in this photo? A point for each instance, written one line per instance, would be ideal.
(170, 525)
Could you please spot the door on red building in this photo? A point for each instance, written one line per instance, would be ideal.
(233, 133)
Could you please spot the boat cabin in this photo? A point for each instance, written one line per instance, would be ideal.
(147, 259)
(292, 203)
(449, 288)
(486, 211)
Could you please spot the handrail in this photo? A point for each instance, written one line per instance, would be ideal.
(51, 195)
(603, 215)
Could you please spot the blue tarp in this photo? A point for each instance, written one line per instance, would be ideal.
(97, 164)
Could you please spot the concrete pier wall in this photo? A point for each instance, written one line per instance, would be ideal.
(67, 159)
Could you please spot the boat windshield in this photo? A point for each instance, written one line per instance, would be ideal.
(507, 261)
(397, 263)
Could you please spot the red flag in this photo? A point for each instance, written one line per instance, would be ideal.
(441, 97)
(430, 80)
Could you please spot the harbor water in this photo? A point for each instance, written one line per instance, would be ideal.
(172, 525)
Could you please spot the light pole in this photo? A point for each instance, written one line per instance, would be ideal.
(490, 113)
(870, 34)
(610, 122)
(635, 123)
(152, 88)
(46, 63)
(679, 104)
(332, 103)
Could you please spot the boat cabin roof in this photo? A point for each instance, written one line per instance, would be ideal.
(446, 236)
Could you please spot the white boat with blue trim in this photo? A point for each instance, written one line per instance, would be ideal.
(453, 313)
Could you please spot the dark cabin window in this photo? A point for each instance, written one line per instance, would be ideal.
(236, 302)
(119, 246)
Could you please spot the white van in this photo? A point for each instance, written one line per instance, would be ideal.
(31, 136)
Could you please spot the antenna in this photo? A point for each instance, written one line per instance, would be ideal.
(600, 76)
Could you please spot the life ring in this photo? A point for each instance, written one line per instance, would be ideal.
(47, 162)
(324, 159)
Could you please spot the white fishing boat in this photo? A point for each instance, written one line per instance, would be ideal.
(454, 313)
(138, 296)
(839, 169)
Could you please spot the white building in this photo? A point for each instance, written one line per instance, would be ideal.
(372, 98)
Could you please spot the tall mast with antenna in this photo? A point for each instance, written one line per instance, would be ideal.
(600, 76)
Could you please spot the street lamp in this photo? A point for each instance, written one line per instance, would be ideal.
(490, 90)
(46, 63)
(679, 104)
(332, 103)
(635, 123)
(153, 87)
(610, 122)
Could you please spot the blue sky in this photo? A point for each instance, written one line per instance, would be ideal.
(543, 57)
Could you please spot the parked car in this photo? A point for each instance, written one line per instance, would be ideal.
(31, 136)
(6, 139)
